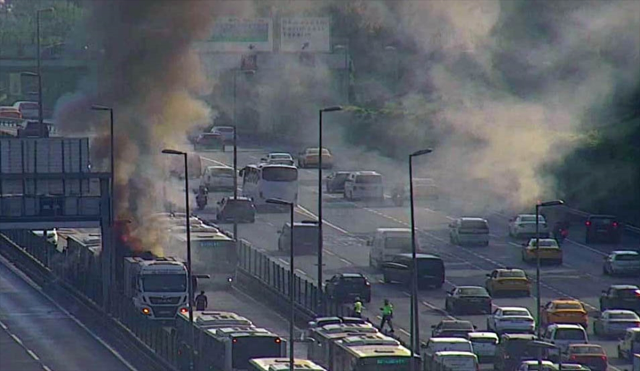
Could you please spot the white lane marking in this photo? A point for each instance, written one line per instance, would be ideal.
(439, 310)
(281, 260)
(324, 221)
(514, 244)
(301, 271)
(97, 338)
(346, 261)
(31, 353)
(588, 248)
(404, 332)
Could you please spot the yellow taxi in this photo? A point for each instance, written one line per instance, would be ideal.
(566, 311)
(508, 280)
(549, 251)
(310, 158)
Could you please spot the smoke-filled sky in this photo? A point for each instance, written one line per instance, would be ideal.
(498, 88)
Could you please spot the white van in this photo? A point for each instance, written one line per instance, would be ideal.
(363, 184)
(218, 178)
(388, 242)
(472, 231)
(435, 345)
(563, 335)
(484, 345)
(455, 361)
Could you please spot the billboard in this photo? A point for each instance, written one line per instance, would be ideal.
(305, 34)
(232, 34)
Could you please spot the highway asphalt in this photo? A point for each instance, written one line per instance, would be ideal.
(349, 224)
(35, 334)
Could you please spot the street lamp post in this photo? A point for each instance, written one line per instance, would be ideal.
(38, 72)
(347, 66)
(189, 272)
(415, 322)
(235, 74)
(538, 299)
(320, 293)
(112, 253)
(291, 278)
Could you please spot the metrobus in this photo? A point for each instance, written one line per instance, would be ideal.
(207, 319)
(371, 353)
(214, 254)
(264, 181)
(232, 348)
(322, 338)
(282, 364)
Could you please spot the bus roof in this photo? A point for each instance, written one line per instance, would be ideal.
(344, 327)
(209, 234)
(208, 319)
(369, 339)
(282, 364)
(240, 332)
(364, 351)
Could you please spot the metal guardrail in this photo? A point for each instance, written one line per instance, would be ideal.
(77, 273)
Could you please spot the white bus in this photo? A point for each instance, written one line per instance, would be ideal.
(282, 364)
(214, 254)
(371, 353)
(265, 181)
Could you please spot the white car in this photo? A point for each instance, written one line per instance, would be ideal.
(524, 225)
(225, 132)
(218, 178)
(29, 110)
(281, 158)
(622, 262)
(364, 184)
(511, 319)
(52, 236)
(630, 344)
(615, 322)
(533, 365)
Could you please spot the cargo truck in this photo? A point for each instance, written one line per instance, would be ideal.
(157, 287)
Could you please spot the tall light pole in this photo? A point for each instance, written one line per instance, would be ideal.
(347, 70)
(39, 77)
(538, 299)
(112, 165)
(415, 321)
(291, 277)
(38, 72)
(235, 74)
(320, 293)
(189, 272)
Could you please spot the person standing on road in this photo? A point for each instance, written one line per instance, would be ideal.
(357, 308)
(387, 315)
(201, 301)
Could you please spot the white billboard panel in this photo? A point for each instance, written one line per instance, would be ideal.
(232, 34)
(305, 34)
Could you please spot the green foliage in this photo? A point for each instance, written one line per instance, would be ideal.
(18, 23)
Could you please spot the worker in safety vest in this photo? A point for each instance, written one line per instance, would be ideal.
(387, 315)
(357, 308)
(201, 301)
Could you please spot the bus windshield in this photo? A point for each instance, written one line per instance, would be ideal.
(280, 174)
(389, 363)
(164, 282)
(219, 253)
(246, 348)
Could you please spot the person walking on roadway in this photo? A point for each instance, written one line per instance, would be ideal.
(357, 308)
(201, 301)
(387, 315)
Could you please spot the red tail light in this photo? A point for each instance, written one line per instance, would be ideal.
(604, 358)
(587, 224)
(573, 357)
(277, 340)
(615, 224)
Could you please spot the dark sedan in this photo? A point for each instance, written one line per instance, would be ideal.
(452, 328)
(235, 210)
(468, 299)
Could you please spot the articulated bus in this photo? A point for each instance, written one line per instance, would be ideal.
(232, 348)
(207, 319)
(282, 364)
(371, 353)
(264, 181)
(322, 338)
(214, 254)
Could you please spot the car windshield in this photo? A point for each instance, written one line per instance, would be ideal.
(587, 350)
(512, 274)
(629, 293)
(353, 281)
(224, 129)
(341, 177)
(29, 106)
(307, 234)
(164, 282)
(474, 224)
(280, 156)
(314, 151)
(569, 306)
(472, 291)
(516, 312)
(546, 243)
(369, 179)
(398, 242)
(458, 325)
(238, 205)
(629, 315)
(486, 340)
(280, 174)
(431, 267)
(531, 219)
(222, 172)
(628, 257)
(602, 221)
(570, 334)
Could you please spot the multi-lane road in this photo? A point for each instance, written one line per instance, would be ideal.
(35, 334)
(349, 224)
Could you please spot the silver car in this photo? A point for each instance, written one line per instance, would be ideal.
(615, 322)
(511, 319)
(524, 225)
(622, 262)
